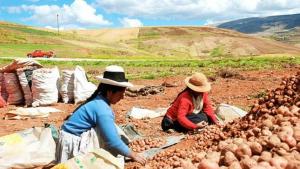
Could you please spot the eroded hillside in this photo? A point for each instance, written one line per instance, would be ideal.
(134, 43)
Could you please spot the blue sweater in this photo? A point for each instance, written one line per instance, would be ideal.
(97, 113)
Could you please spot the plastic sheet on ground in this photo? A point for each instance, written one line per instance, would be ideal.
(226, 113)
(30, 148)
(130, 133)
(25, 113)
(140, 113)
(170, 141)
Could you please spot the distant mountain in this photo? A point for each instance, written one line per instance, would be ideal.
(263, 24)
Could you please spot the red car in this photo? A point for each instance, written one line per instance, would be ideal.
(40, 53)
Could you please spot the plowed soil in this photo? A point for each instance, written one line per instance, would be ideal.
(241, 91)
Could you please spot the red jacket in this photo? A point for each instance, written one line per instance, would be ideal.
(183, 106)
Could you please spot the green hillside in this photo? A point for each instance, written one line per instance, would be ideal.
(137, 43)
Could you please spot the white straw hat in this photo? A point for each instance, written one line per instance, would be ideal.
(114, 75)
(198, 82)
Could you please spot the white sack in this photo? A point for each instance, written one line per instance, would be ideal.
(45, 86)
(67, 86)
(13, 88)
(30, 148)
(82, 88)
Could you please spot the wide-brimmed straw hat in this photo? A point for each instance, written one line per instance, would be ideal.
(114, 75)
(198, 82)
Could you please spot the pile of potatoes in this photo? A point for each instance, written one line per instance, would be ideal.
(146, 143)
(267, 137)
(211, 135)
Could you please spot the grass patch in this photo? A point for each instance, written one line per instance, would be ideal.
(19, 50)
(259, 95)
(217, 51)
(151, 69)
(27, 30)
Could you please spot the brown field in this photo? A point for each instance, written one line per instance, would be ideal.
(240, 91)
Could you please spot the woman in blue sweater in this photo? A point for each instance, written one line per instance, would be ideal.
(95, 119)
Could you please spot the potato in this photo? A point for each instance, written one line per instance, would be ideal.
(235, 165)
(207, 164)
(231, 147)
(298, 146)
(248, 163)
(291, 141)
(255, 157)
(265, 164)
(287, 129)
(265, 156)
(279, 162)
(268, 123)
(266, 132)
(293, 165)
(238, 141)
(213, 156)
(258, 167)
(187, 164)
(256, 148)
(296, 133)
(229, 158)
(273, 141)
(243, 149)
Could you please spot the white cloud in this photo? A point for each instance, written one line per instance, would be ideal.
(80, 14)
(77, 15)
(205, 10)
(126, 22)
(14, 10)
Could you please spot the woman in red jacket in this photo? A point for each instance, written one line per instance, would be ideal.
(192, 108)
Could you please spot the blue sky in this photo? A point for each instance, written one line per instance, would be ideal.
(96, 14)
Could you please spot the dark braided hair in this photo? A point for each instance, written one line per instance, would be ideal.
(102, 89)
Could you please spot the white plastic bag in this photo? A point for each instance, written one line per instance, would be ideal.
(82, 87)
(45, 86)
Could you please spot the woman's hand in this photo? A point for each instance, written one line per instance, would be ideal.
(138, 158)
(201, 124)
(218, 123)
